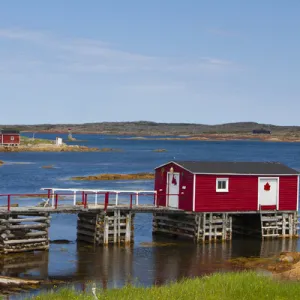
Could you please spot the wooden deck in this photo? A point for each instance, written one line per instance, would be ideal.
(141, 208)
(107, 217)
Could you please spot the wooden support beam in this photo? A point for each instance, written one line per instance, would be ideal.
(37, 219)
(128, 229)
(26, 249)
(30, 226)
(85, 232)
(106, 228)
(13, 242)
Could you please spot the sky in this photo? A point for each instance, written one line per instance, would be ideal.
(193, 61)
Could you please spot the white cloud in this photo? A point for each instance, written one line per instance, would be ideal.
(80, 55)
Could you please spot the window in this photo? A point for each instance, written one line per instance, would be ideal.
(222, 185)
(12, 138)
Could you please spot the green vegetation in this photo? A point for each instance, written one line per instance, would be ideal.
(142, 176)
(29, 141)
(151, 128)
(221, 286)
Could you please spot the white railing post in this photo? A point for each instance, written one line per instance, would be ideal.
(96, 198)
(117, 198)
(137, 198)
(53, 191)
(74, 198)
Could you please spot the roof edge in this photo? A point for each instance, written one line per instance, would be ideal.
(176, 163)
(297, 173)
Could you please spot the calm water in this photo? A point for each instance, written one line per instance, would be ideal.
(143, 263)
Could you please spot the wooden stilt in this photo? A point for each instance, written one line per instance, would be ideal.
(128, 229)
(18, 233)
(102, 229)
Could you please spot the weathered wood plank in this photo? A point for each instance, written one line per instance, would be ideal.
(85, 238)
(159, 218)
(17, 281)
(86, 226)
(28, 234)
(30, 226)
(12, 242)
(159, 224)
(37, 219)
(9, 250)
(85, 232)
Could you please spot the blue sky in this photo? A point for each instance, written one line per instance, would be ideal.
(196, 61)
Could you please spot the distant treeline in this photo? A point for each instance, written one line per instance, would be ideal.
(153, 128)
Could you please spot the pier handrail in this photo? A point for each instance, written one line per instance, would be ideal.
(55, 193)
(96, 192)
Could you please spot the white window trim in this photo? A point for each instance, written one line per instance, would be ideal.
(222, 190)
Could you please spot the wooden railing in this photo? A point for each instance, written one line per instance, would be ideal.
(55, 197)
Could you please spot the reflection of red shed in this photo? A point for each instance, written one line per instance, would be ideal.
(9, 137)
(227, 186)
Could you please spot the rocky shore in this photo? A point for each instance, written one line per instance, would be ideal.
(137, 176)
(225, 137)
(49, 148)
(284, 266)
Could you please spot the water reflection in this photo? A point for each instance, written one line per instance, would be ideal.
(25, 265)
(114, 266)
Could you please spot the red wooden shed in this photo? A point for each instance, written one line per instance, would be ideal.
(203, 186)
(9, 137)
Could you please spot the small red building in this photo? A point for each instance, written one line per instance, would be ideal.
(9, 137)
(201, 186)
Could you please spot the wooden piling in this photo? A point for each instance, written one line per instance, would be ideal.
(276, 224)
(198, 226)
(26, 232)
(106, 228)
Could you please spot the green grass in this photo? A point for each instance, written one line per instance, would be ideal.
(26, 140)
(220, 286)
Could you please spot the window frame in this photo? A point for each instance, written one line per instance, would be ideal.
(226, 190)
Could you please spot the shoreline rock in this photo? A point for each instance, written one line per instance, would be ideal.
(49, 148)
(284, 266)
(137, 176)
(159, 150)
(224, 137)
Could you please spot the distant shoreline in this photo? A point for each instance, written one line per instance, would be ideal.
(180, 137)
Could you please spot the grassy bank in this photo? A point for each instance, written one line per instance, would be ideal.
(25, 141)
(242, 286)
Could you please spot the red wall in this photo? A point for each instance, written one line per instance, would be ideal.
(242, 195)
(186, 179)
(288, 192)
(7, 139)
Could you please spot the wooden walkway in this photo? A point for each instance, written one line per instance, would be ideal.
(67, 200)
(142, 208)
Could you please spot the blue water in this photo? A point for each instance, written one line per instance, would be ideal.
(23, 173)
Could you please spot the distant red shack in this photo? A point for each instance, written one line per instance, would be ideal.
(9, 137)
(202, 186)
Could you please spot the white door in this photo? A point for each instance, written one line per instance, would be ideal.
(173, 189)
(268, 191)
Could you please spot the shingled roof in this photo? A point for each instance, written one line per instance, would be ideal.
(9, 131)
(248, 168)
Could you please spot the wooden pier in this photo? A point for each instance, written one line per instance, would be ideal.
(107, 217)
